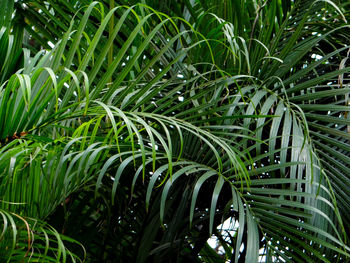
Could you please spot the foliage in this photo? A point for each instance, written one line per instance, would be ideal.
(137, 130)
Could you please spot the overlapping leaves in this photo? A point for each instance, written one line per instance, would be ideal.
(111, 108)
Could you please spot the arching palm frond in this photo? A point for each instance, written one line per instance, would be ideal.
(139, 135)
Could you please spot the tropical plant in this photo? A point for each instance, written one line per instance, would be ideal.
(135, 132)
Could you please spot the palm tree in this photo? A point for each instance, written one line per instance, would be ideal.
(136, 132)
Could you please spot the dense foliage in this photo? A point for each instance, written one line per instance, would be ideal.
(134, 131)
